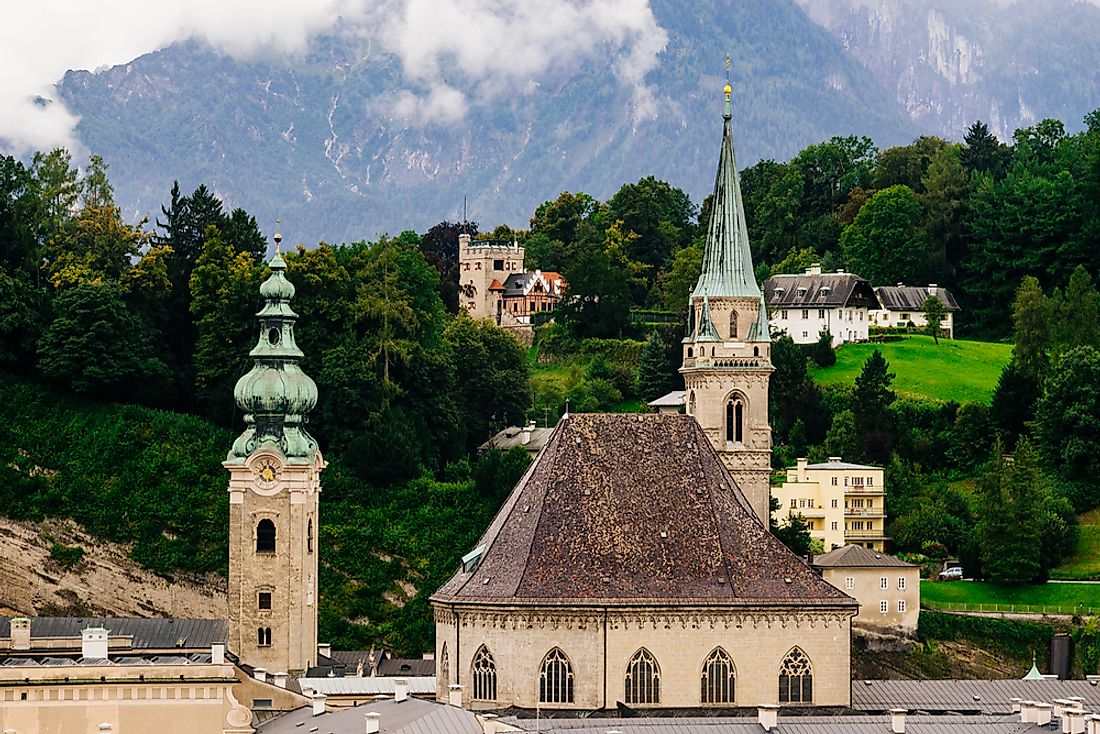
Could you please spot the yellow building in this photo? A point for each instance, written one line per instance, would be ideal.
(843, 503)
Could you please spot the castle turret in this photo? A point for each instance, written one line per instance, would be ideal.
(727, 352)
(274, 487)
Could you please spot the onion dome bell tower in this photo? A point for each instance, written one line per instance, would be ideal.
(274, 488)
(727, 351)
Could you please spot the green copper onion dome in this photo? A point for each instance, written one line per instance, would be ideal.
(276, 396)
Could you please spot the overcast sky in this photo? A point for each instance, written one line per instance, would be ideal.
(501, 45)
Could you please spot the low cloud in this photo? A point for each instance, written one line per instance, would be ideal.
(452, 52)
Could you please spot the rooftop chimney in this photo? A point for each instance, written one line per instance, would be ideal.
(429, 656)
(373, 724)
(324, 648)
(93, 643)
(318, 703)
(525, 434)
(217, 653)
(768, 715)
(454, 695)
(1027, 712)
(280, 679)
(400, 690)
(801, 466)
(1092, 724)
(897, 720)
(260, 674)
(1015, 704)
(1073, 721)
(840, 271)
(815, 269)
(489, 724)
(1042, 714)
(20, 633)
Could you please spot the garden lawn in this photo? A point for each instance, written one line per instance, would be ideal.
(1066, 598)
(962, 371)
(1085, 563)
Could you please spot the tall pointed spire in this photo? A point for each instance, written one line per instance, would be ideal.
(276, 395)
(727, 261)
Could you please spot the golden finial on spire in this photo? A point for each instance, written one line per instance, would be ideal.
(278, 236)
(729, 88)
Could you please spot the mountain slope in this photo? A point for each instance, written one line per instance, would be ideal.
(950, 63)
(315, 141)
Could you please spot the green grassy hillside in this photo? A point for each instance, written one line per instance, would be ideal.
(958, 370)
(153, 480)
(1068, 598)
(1085, 563)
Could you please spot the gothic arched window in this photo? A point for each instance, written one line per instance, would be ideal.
(484, 675)
(444, 669)
(717, 681)
(643, 678)
(796, 678)
(690, 353)
(735, 419)
(265, 536)
(556, 678)
(733, 325)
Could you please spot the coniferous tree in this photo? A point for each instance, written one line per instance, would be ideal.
(983, 152)
(654, 376)
(1011, 493)
(871, 402)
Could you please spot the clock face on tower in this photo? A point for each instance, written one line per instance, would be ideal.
(267, 473)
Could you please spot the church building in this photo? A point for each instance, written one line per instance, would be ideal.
(632, 563)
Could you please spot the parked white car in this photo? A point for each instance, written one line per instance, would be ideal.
(951, 574)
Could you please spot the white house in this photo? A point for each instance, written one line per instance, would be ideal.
(807, 304)
(901, 305)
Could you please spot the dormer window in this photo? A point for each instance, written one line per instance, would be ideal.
(801, 292)
(825, 290)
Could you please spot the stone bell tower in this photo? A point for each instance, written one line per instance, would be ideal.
(274, 488)
(727, 352)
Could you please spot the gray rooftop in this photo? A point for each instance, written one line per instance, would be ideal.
(155, 634)
(856, 556)
(674, 399)
(369, 685)
(911, 298)
(531, 439)
(987, 696)
(838, 465)
(411, 716)
(831, 290)
(849, 724)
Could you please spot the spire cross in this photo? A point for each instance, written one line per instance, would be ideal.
(728, 90)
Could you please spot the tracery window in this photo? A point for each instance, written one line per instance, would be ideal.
(556, 678)
(735, 420)
(265, 536)
(484, 675)
(717, 681)
(444, 669)
(796, 678)
(643, 678)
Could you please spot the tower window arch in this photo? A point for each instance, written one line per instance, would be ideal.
(796, 678)
(263, 636)
(716, 684)
(556, 678)
(265, 536)
(690, 354)
(309, 536)
(733, 325)
(643, 678)
(735, 419)
(484, 675)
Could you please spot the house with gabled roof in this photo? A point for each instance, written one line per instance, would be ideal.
(809, 303)
(901, 306)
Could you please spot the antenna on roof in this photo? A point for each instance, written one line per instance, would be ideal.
(566, 414)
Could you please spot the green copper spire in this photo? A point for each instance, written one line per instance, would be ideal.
(727, 262)
(707, 332)
(276, 395)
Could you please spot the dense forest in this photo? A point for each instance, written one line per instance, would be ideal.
(159, 316)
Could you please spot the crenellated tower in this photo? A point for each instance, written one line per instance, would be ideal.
(274, 488)
(727, 352)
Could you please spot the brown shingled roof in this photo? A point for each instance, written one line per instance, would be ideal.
(856, 556)
(632, 508)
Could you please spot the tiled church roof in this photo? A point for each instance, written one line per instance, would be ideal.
(632, 508)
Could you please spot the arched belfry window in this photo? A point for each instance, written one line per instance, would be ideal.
(265, 536)
(796, 678)
(263, 636)
(716, 685)
(733, 325)
(691, 403)
(690, 353)
(735, 419)
(643, 678)
(556, 678)
(484, 675)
